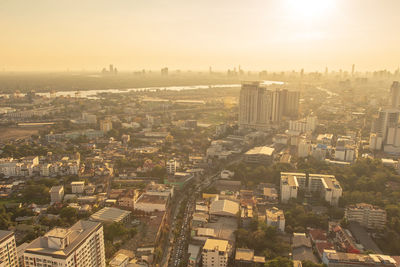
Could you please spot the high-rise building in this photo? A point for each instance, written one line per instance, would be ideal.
(254, 106)
(259, 107)
(395, 94)
(387, 128)
(80, 245)
(8, 249)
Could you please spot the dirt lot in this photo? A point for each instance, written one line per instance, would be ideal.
(8, 133)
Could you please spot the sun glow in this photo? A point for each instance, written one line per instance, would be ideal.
(309, 9)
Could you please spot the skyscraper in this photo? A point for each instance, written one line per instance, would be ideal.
(254, 106)
(395, 94)
(259, 108)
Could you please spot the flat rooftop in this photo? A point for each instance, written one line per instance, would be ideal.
(152, 199)
(261, 150)
(216, 244)
(109, 214)
(77, 234)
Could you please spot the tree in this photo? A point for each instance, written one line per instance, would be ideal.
(279, 262)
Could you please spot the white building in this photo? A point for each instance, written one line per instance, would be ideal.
(151, 202)
(326, 185)
(57, 194)
(8, 249)
(78, 187)
(80, 245)
(304, 125)
(215, 253)
(275, 217)
(171, 166)
(304, 148)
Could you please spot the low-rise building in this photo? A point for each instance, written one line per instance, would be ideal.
(339, 259)
(367, 215)
(245, 258)
(224, 208)
(262, 154)
(109, 214)
(275, 217)
(149, 203)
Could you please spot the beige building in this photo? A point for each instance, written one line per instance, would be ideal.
(80, 245)
(57, 194)
(78, 187)
(216, 253)
(367, 215)
(8, 249)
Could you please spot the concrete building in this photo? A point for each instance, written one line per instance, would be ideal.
(262, 154)
(395, 94)
(150, 202)
(304, 148)
(326, 185)
(255, 104)
(80, 245)
(386, 130)
(171, 166)
(224, 208)
(109, 214)
(304, 125)
(339, 259)
(367, 215)
(120, 260)
(275, 217)
(105, 125)
(215, 253)
(245, 258)
(8, 249)
(57, 194)
(78, 187)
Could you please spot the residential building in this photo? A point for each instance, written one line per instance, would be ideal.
(275, 217)
(57, 194)
(366, 215)
(326, 185)
(80, 245)
(302, 248)
(105, 125)
(8, 249)
(171, 166)
(128, 198)
(78, 187)
(215, 253)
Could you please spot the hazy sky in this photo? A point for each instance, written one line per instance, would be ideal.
(257, 34)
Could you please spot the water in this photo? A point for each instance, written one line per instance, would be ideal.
(91, 94)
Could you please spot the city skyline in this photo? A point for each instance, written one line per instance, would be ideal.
(272, 35)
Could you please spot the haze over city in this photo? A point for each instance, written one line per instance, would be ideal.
(200, 133)
(62, 35)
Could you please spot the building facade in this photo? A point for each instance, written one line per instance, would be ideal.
(8, 249)
(367, 215)
(80, 245)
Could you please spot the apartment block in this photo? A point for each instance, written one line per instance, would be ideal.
(216, 253)
(8, 249)
(326, 185)
(367, 215)
(80, 245)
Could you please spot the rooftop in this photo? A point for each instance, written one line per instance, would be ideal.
(109, 214)
(77, 234)
(5, 234)
(216, 244)
(261, 150)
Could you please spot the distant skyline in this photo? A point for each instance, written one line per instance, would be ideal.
(48, 35)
